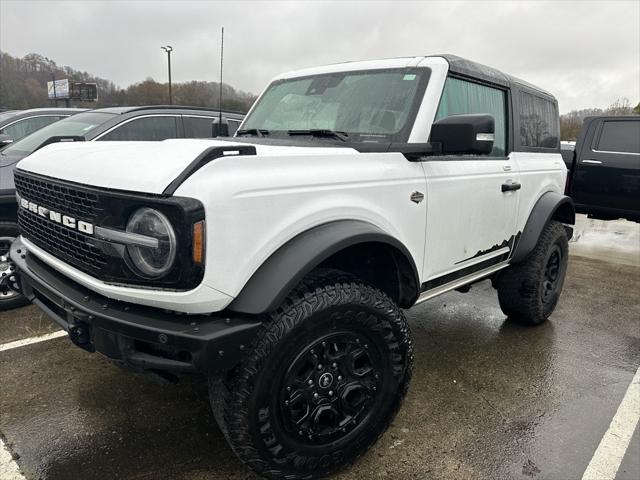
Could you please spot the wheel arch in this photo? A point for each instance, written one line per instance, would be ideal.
(550, 206)
(353, 246)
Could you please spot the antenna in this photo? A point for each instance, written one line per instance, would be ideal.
(220, 99)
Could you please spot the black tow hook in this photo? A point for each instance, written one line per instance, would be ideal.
(80, 335)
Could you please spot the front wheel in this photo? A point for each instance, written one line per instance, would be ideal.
(529, 291)
(9, 298)
(321, 383)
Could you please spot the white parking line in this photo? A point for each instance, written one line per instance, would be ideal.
(609, 454)
(29, 341)
(9, 469)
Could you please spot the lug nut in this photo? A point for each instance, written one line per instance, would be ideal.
(331, 393)
(310, 382)
(339, 377)
(334, 365)
(315, 395)
(319, 366)
(288, 389)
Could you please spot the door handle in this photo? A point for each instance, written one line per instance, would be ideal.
(510, 187)
(594, 162)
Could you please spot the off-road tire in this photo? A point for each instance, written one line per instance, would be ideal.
(9, 230)
(521, 287)
(248, 403)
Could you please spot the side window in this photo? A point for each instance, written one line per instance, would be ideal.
(460, 97)
(144, 129)
(233, 126)
(22, 128)
(539, 123)
(620, 136)
(197, 127)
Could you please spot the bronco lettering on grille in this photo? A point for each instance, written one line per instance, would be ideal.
(57, 217)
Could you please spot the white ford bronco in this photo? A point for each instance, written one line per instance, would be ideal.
(278, 262)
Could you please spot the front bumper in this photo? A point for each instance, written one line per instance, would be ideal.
(136, 336)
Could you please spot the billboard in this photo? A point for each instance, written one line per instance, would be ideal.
(58, 89)
(84, 92)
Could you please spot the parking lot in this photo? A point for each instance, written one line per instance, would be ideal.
(489, 399)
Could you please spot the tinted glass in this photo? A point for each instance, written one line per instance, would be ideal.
(144, 129)
(198, 127)
(373, 106)
(22, 128)
(80, 124)
(620, 136)
(539, 123)
(460, 97)
(233, 126)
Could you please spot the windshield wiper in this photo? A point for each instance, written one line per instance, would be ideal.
(258, 132)
(319, 132)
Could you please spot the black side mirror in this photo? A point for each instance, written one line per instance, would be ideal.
(219, 129)
(464, 134)
(5, 140)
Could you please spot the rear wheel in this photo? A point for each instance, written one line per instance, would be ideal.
(321, 382)
(9, 298)
(529, 291)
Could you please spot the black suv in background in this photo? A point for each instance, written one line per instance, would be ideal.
(106, 124)
(604, 169)
(16, 124)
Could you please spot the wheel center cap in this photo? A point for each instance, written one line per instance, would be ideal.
(325, 380)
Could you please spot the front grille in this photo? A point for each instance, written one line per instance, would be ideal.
(63, 198)
(64, 243)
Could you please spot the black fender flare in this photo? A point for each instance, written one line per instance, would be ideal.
(550, 205)
(286, 267)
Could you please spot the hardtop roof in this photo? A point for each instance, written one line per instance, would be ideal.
(469, 68)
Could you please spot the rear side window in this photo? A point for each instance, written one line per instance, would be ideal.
(144, 129)
(198, 127)
(620, 136)
(460, 97)
(539, 123)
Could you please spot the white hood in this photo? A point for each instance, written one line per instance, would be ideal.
(136, 166)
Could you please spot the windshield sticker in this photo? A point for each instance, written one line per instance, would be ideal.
(409, 76)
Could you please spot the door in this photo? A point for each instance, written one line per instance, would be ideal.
(472, 199)
(607, 174)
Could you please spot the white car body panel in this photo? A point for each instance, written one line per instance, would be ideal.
(286, 195)
(150, 166)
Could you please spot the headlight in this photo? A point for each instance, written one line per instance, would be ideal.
(152, 262)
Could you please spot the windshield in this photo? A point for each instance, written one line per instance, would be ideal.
(371, 106)
(76, 125)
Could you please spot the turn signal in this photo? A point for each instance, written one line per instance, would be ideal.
(198, 242)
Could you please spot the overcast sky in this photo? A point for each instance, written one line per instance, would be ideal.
(585, 52)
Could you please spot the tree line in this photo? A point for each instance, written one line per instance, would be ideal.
(23, 84)
(571, 123)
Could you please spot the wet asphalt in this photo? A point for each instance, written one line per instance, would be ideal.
(489, 399)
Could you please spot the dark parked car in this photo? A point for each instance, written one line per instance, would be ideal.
(604, 170)
(105, 124)
(16, 124)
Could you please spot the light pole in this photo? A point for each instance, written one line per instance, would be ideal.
(169, 49)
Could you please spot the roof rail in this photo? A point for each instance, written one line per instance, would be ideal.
(179, 107)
